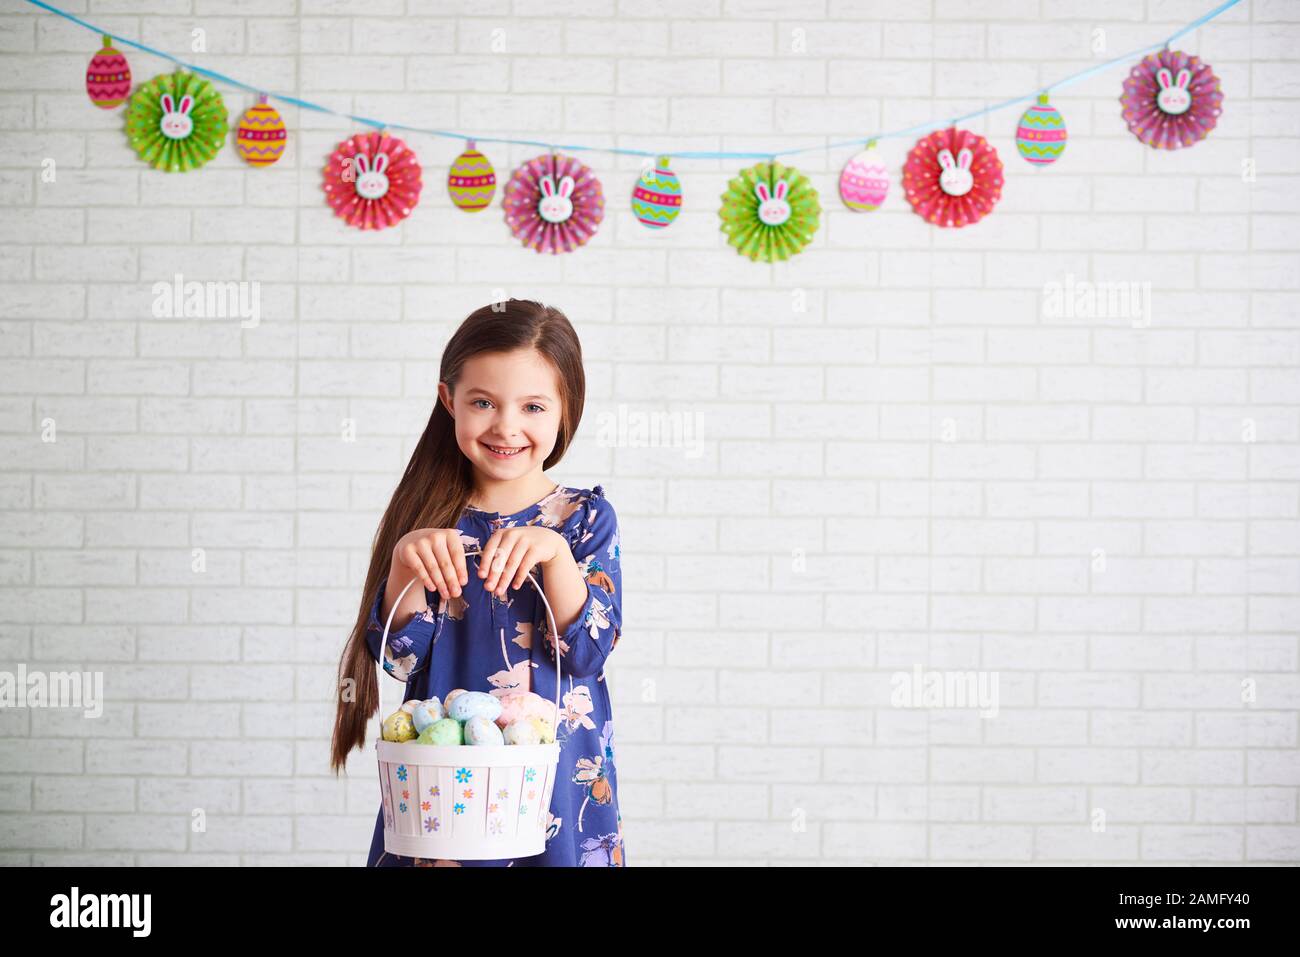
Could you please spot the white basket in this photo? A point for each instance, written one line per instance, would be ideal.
(484, 801)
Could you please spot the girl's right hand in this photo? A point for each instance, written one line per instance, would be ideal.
(436, 556)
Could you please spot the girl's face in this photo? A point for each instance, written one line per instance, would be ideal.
(507, 413)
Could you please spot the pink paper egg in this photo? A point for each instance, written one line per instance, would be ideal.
(864, 184)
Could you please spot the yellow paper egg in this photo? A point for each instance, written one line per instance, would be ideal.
(260, 137)
(472, 181)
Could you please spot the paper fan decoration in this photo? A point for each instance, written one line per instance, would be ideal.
(372, 180)
(108, 77)
(1171, 100)
(864, 183)
(176, 122)
(260, 136)
(553, 203)
(770, 212)
(953, 177)
(472, 181)
(657, 196)
(1041, 135)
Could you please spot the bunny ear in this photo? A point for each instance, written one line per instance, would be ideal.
(763, 194)
(168, 104)
(1184, 77)
(187, 103)
(946, 160)
(1164, 78)
(381, 162)
(362, 162)
(548, 185)
(964, 158)
(566, 186)
(781, 189)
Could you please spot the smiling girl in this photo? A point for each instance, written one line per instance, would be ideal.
(510, 397)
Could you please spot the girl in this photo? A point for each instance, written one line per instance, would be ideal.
(510, 394)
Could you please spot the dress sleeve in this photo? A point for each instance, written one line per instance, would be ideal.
(586, 644)
(408, 646)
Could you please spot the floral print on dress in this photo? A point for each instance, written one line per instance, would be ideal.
(476, 642)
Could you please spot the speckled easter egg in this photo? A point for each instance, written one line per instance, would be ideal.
(472, 181)
(657, 196)
(260, 136)
(1041, 135)
(398, 727)
(864, 184)
(108, 78)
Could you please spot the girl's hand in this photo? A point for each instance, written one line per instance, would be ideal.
(511, 552)
(437, 556)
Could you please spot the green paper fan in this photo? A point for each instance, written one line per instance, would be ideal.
(770, 212)
(176, 122)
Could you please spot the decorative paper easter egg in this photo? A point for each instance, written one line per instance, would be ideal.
(864, 184)
(657, 196)
(260, 136)
(1041, 135)
(108, 77)
(472, 181)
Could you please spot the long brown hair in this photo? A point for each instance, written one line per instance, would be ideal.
(438, 480)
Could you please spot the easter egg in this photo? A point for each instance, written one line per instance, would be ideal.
(434, 707)
(447, 731)
(864, 183)
(473, 704)
(421, 717)
(657, 196)
(545, 733)
(472, 181)
(108, 78)
(450, 697)
(1041, 135)
(398, 727)
(260, 136)
(522, 731)
(481, 730)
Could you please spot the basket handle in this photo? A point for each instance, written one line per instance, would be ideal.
(383, 642)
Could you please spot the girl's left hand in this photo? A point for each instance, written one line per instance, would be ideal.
(511, 553)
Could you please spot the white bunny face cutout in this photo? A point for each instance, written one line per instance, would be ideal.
(773, 210)
(555, 206)
(372, 182)
(956, 178)
(176, 124)
(1174, 98)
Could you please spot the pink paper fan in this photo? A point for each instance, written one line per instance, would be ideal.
(372, 180)
(953, 177)
(1171, 100)
(553, 203)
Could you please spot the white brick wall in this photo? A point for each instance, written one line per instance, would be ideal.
(904, 461)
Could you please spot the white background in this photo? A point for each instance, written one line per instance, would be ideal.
(904, 462)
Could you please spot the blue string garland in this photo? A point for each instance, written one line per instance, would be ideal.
(684, 154)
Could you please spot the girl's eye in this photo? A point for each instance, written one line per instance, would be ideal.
(476, 401)
(534, 405)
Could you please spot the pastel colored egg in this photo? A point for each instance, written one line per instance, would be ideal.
(657, 196)
(525, 704)
(522, 731)
(421, 717)
(545, 732)
(260, 137)
(1041, 134)
(434, 707)
(864, 183)
(472, 182)
(483, 730)
(445, 731)
(398, 727)
(472, 704)
(409, 706)
(449, 698)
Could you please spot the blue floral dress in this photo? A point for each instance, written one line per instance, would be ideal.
(459, 644)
